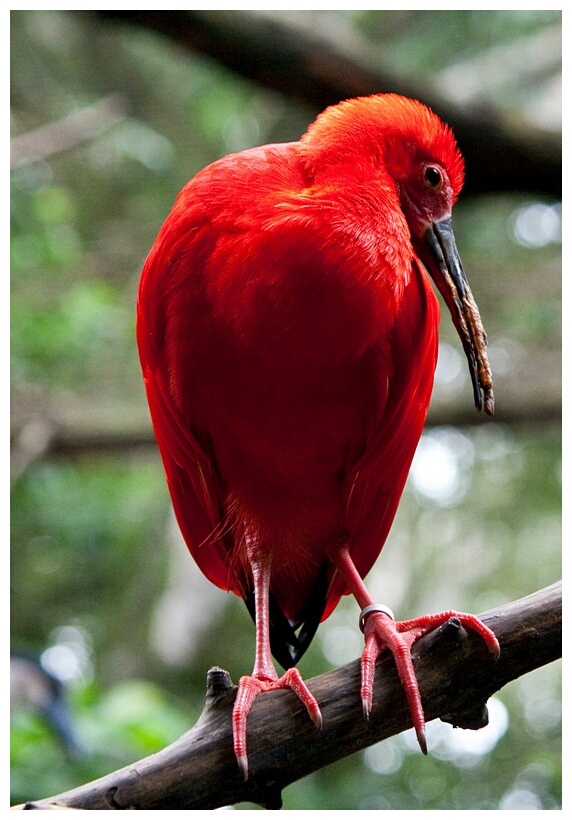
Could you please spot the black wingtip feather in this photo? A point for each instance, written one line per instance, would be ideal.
(288, 642)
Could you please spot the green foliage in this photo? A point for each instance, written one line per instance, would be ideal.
(130, 720)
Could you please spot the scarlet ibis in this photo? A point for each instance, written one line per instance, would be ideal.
(288, 331)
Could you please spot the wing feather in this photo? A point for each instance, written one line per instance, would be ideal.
(197, 491)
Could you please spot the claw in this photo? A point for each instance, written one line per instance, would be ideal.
(293, 680)
(381, 632)
(421, 738)
(242, 761)
(249, 686)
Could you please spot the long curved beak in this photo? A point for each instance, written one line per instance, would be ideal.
(439, 254)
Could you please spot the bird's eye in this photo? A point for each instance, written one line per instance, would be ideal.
(432, 177)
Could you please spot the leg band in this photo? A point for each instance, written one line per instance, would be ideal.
(367, 610)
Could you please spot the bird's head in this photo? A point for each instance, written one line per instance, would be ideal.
(406, 144)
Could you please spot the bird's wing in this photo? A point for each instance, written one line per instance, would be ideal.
(194, 486)
(196, 489)
(375, 484)
(216, 209)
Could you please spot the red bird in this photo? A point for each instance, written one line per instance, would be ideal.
(287, 332)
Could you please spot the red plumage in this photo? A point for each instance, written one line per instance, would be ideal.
(287, 331)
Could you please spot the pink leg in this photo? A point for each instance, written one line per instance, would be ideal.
(382, 632)
(264, 677)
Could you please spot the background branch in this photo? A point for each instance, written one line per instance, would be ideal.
(325, 66)
(456, 677)
(55, 137)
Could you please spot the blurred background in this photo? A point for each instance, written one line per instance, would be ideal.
(111, 114)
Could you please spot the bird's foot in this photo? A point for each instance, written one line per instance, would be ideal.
(381, 632)
(249, 686)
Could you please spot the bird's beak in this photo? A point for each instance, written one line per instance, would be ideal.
(438, 252)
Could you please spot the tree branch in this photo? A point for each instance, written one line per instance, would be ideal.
(64, 134)
(324, 68)
(456, 677)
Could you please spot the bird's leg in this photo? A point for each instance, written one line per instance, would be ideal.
(381, 631)
(264, 677)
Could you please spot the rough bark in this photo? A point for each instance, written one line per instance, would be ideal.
(456, 677)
